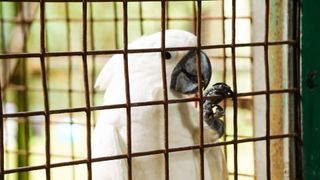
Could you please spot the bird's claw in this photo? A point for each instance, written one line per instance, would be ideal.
(220, 91)
(212, 112)
(218, 111)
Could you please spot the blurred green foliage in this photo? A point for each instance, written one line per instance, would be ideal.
(8, 10)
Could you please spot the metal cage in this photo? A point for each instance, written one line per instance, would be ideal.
(47, 108)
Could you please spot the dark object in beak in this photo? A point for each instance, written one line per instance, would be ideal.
(212, 112)
(184, 76)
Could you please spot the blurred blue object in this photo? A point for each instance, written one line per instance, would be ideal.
(68, 133)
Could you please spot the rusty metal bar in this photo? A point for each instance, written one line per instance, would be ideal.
(36, 89)
(79, 1)
(267, 81)
(145, 153)
(235, 91)
(298, 144)
(165, 87)
(245, 175)
(86, 86)
(194, 12)
(52, 122)
(199, 94)
(116, 19)
(93, 69)
(204, 18)
(108, 52)
(127, 87)
(138, 104)
(168, 19)
(140, 19)
(165, 102)
(24, 152)
(45, 88)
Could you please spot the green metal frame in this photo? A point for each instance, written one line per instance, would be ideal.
(310, 53)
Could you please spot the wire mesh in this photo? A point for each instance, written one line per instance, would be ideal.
(128, 20)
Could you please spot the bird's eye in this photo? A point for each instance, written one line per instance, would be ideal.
(167, 55)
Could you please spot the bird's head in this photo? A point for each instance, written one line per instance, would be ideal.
(183, 76)
(181, 65)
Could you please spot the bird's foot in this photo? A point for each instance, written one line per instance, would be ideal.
(219, 91)
(212, 112)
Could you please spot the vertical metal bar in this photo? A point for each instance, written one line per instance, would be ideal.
(86, 86)
(199, 78)
(1, 134)
(297, 97)
(48, 59)
(92, 45)
(116, 19)
(167, 14)
(164, 84)
(127, 86)
(44, 87)
(266, 64)
(194, 11)
(93, 69)
(141, 19)
(69, 74)
(235, 90)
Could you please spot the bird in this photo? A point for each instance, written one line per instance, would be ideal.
(147, 122)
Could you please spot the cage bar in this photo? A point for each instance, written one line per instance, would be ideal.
(90, 107)
(164, 16)
(235, 91)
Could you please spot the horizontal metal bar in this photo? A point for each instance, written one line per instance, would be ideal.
(243, 174)
(80, 1)
(23, 169)
(24, 114)
(146, 153)
(148, 50)
(139, 104)
(71, 20)
(24, 152)
(275, 91)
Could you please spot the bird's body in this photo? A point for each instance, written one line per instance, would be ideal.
(147, 122)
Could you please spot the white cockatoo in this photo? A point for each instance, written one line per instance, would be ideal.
(147, 122)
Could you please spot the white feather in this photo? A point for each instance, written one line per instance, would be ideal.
(147, 122)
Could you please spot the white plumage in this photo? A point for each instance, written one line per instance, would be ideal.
(147, 122)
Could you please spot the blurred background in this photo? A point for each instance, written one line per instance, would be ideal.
(22, 85)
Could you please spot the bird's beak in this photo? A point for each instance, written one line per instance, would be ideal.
(184, 76)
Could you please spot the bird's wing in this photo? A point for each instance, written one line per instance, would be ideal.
(109, 71)
(107, 142)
